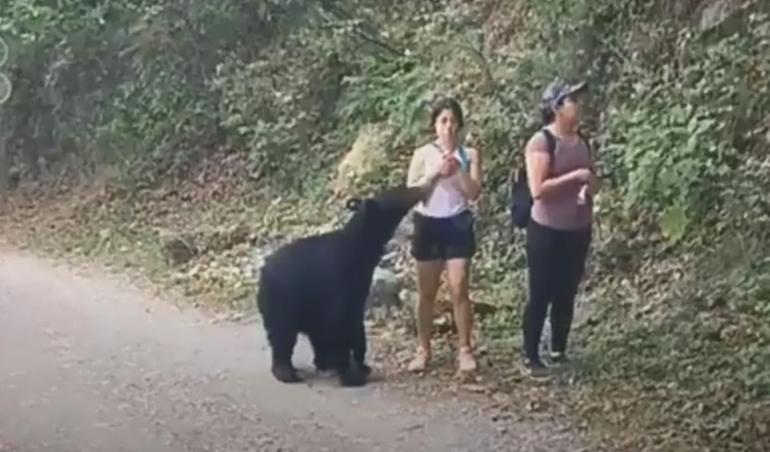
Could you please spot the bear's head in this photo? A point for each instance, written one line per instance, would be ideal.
(375, 219)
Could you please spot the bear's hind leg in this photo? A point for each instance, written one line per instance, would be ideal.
(281, 330)
(322, 359)
(359, 347)
(349, 373)
(282, 342)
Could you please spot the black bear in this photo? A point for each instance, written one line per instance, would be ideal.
(318, 286)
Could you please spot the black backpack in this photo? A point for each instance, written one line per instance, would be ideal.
(521, 197)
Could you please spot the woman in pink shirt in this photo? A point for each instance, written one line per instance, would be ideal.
(562, 183)
(444, 237)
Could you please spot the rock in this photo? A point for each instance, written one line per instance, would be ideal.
(444, 324)
(475, 388)
(177, 248)
(224, 238)
(389, 259)
(404, 230)
(767, 129)
(483, 309)
(501, 398)
(716, 13)
(384, 293)
(366, 156)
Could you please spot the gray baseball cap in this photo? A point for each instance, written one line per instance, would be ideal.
(558, 89)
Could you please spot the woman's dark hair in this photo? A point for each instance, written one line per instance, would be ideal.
(446, 103)
(547, 116)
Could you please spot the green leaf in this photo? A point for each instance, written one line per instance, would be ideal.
(674, 222)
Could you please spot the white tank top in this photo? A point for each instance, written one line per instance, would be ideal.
(447, 199)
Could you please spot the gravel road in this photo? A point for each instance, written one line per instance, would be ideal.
(89, 363)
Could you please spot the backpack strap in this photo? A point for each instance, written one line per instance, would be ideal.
(550, 146)
(590, 150)
(464, 160)
(585, 140)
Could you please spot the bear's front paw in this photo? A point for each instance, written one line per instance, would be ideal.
(286, 374)
(367, 370)
(353, 377)
(322, 364)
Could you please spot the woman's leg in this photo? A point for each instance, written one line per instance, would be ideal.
(540, 266)
(428, 280)
(426, 251)
(575, 247)
(457, 273)
(460, 248)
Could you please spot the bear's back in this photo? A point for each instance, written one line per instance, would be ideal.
(309, 260)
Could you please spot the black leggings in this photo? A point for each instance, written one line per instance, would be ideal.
(556, 261)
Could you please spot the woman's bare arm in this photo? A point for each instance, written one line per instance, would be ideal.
(538, 161)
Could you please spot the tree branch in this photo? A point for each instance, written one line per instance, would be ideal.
(369, 37)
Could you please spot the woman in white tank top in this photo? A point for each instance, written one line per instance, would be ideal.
(444, 236)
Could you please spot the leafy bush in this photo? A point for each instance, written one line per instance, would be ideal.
(678, 115)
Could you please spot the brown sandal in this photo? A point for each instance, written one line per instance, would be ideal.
(466, 360)
(420, 360)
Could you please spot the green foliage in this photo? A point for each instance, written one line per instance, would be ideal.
(678, 116)
(394, 90)
(129, 81)
(674, 223)
(677, 136)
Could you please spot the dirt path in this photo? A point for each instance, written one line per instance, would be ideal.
(90, 364)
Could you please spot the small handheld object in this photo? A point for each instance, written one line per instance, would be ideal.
(462, 159)
(581, 198)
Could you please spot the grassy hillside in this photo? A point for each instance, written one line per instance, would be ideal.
(253, 104)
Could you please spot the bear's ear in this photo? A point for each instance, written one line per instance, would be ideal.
(353, 204)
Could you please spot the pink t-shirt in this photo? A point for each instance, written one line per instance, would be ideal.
(562, 210)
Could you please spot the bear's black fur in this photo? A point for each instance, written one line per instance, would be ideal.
(318, 286)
